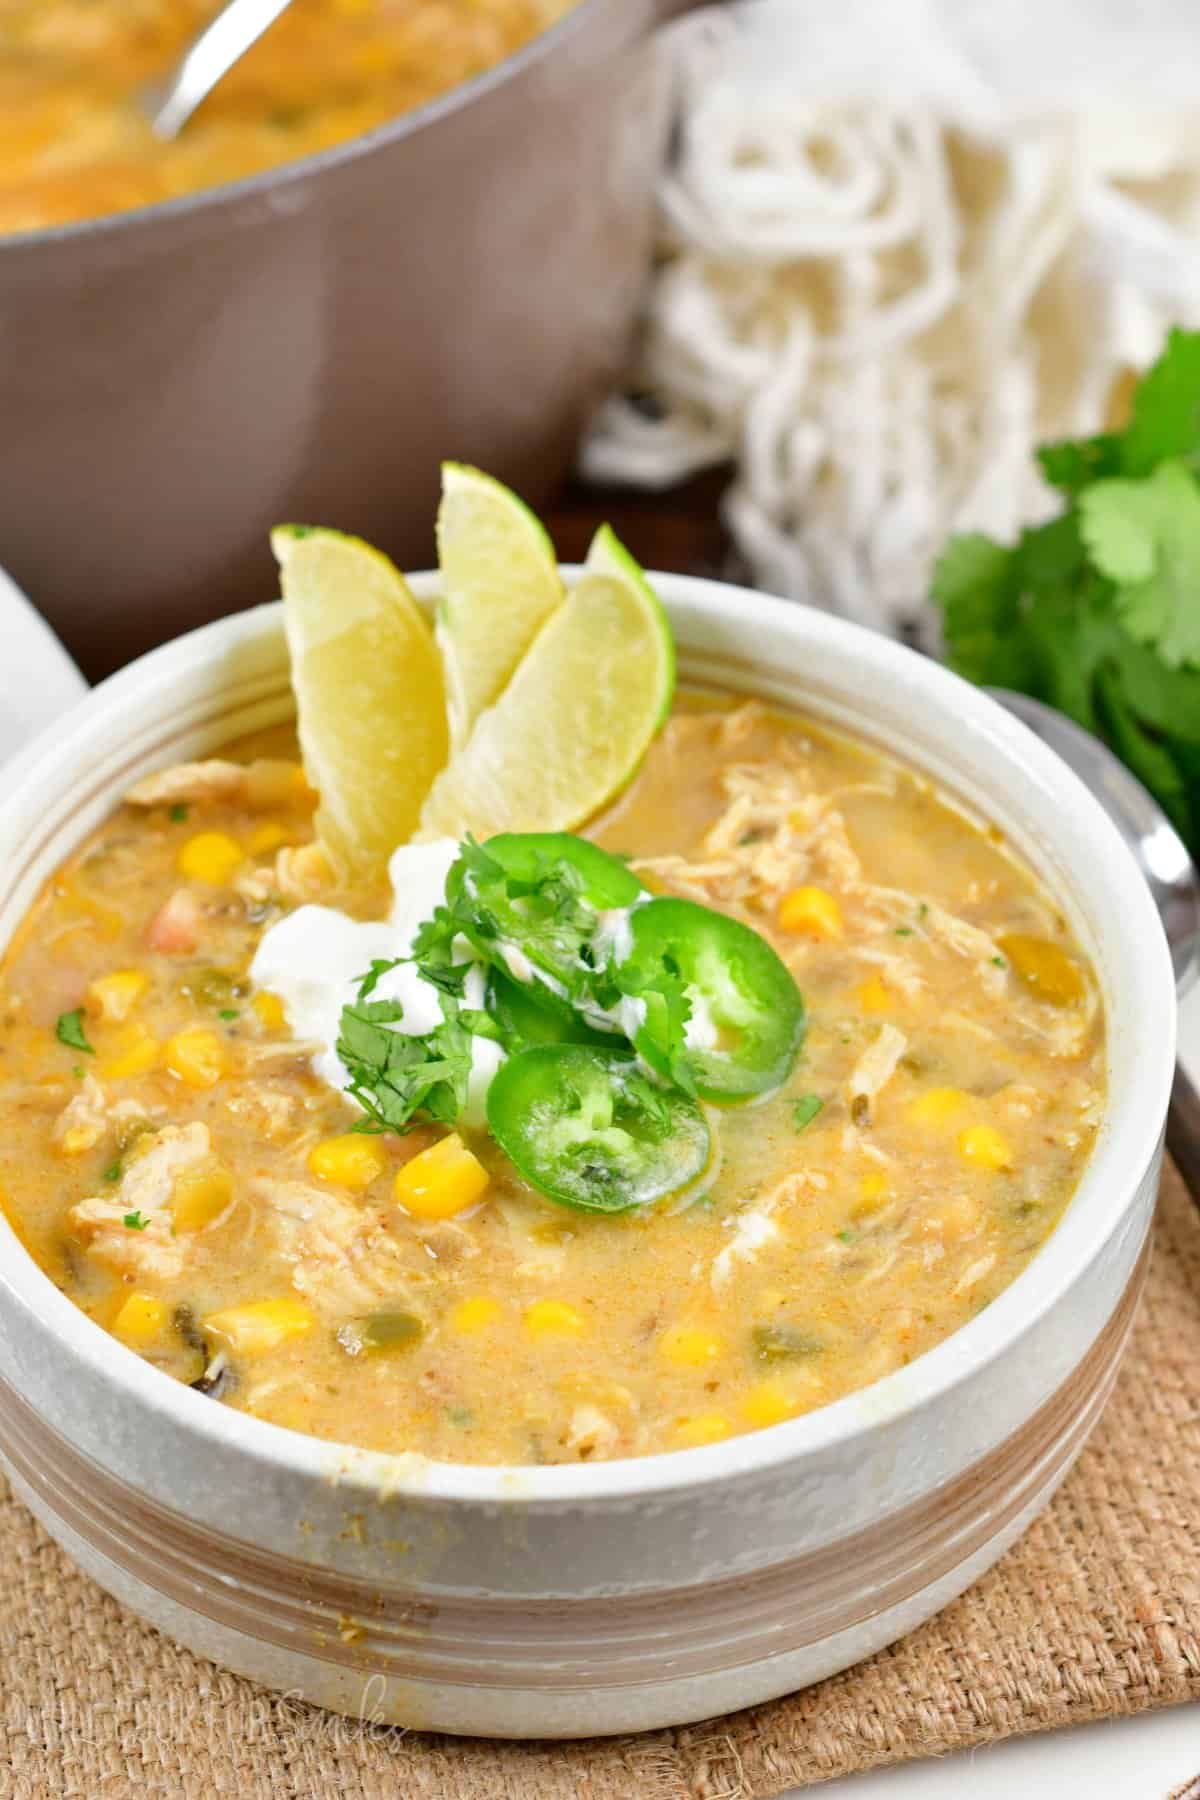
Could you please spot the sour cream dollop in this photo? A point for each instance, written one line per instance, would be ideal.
(316, 957)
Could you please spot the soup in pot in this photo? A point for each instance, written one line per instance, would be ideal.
(178, 1147)
(74, 143)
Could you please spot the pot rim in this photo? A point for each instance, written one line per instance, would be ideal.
(136, 221)
(1129, 1137)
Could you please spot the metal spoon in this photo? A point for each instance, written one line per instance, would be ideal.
(170, 101)
(1163, 860)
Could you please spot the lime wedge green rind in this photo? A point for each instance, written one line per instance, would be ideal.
(571, 727)
(608, 554)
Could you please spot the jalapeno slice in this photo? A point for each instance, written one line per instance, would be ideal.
(532, 855)
(747, 1014)
(589, 1129)
(528, 1014)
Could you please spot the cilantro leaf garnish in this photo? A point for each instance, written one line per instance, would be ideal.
(69, 1030)
(395, 1076)
(543, 919)
(1098, 611)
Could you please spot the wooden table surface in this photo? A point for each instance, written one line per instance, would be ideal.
(679, 530)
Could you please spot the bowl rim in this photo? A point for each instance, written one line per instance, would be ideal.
(135, 220)
(1128, 1143)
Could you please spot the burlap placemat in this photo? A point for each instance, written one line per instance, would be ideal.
(1095, 1612)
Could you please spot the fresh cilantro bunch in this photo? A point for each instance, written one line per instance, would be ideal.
(1098, 611)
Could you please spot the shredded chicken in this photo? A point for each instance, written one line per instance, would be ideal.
(90, 1116)
(449, 1244)
(189, 783)
(886, 907)
(773, 836)
(344, 1259)
(261, 784)
(256, 884)
(877, 1064)
(269, 1112)
(754, 1228)
(534, 1256)
(975, 1272)
(147, 1184)
(300, 872)
(591, 1431)
(279, 1050)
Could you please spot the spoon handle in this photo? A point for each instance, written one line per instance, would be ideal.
(1183, 1130)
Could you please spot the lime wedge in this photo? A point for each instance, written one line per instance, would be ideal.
(576, 718)
(500, 583)
(368, 684)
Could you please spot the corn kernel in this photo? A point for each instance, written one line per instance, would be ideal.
(874, 1192)
(875, 996)
(267, 836)
(552, 1318)
(352, 1160)
(113, 997)
(1046, 970)
(688, 1347)
(211, 857)
(199, 1196)
(271, 1011)
(76, 1140)
(474, 1315)
(986, 1147)
(441, 1181)
(133, 1051)
(197, 1056)
(769, 1403)
(811, 912)
(262, 1325)
(701, 1428)
(937, 1106)
(140, 1318)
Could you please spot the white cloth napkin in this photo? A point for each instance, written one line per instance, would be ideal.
(902, 241)
(38, 680)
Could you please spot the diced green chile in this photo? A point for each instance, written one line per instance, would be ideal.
(527, 1014)
(380, 1331)
(587, 1128)
(779, 1342)
(746, 989)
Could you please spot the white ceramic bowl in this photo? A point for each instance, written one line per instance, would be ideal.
(609, 1597)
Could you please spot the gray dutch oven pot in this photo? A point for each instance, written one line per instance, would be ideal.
(310, 343)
